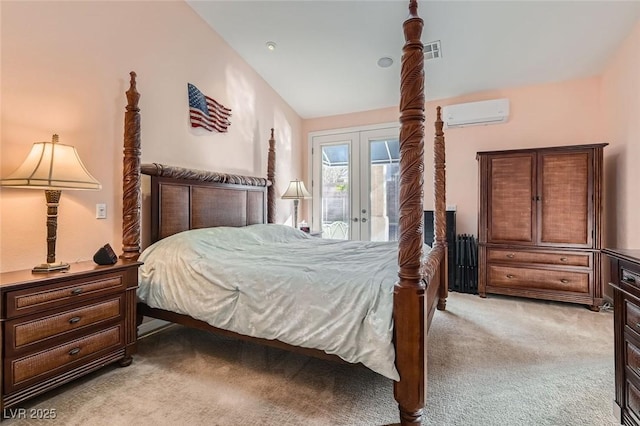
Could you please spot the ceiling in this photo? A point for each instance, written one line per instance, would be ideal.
(325, 61)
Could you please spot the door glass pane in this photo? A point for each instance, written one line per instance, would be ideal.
(384, 161)
(335, 197)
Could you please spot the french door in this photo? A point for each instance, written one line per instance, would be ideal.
(355, 183)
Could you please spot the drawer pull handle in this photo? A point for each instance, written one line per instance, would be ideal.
(629, 279)
(74, 320)
(76, 291)
(74, 351)
(511, 255)
(638, 325)
(510, 276)
(564, 280)
(563, 259)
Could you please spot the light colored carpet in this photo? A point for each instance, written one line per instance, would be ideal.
(494, 361)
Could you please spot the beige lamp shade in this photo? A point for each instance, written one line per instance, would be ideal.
(52, 165)
(296, 191)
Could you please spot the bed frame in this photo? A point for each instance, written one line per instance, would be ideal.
(184, 199)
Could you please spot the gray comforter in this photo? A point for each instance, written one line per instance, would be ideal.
(275, 282)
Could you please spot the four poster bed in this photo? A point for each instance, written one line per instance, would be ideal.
(187, 202)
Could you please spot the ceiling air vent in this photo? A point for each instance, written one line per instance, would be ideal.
(432, 50)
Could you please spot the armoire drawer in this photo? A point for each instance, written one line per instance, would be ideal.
(562, 258)
(540, 279)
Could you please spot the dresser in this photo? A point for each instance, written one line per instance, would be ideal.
(625, 282)
(61, 325)
(539, 223)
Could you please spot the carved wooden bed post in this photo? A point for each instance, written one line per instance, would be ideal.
(440, 216)
(409, 294)
(271, 177)
(131, 202)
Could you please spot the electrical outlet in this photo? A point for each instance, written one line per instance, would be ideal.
(101, 211)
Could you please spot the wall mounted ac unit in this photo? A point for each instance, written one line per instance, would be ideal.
(476, 113)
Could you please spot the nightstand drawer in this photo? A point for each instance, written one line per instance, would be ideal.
(55, 360)
(27, 301)
(541, 257)
(25, 332)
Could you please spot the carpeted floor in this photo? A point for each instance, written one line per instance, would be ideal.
(495, 361)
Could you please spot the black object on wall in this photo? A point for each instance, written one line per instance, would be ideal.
(451, 239)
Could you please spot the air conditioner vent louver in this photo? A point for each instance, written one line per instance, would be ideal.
(476, 113)
(432, 50)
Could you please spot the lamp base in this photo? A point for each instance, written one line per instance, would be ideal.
(49, 267)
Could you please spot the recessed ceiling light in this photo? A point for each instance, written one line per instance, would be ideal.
(385, 62)
(271, 46)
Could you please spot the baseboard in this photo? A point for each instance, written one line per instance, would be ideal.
(607, 299)
(152, 326)
(617, 412)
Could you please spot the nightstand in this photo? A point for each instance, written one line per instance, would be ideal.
(59, 326)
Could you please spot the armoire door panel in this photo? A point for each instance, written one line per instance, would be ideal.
(511, 198)
(565, 198)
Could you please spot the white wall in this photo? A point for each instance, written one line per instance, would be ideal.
(65, 68)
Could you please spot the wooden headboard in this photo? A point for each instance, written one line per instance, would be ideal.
(183, 199)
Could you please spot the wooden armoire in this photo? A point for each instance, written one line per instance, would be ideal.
(539, 223)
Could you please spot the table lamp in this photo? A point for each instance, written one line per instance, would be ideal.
(51, 166)
(296, 192)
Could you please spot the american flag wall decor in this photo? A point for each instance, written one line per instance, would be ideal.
(205, 112)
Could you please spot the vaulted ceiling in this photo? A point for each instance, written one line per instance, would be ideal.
(326, 52)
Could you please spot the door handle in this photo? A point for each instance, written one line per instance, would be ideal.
(363, 220)
(355, 219)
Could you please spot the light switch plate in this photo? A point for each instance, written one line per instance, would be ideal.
(101, 211)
